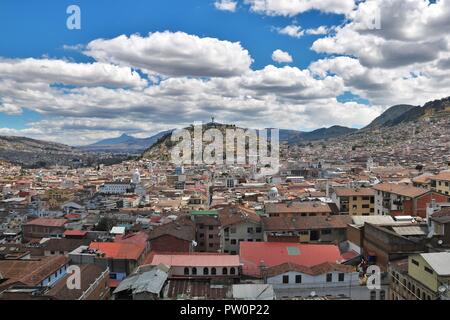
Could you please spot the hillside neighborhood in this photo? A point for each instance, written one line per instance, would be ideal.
(149, 229)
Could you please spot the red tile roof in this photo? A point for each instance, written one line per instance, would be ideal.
(79, 233)
(348, 192)
(400, 189)
(252, 254)
(136, 238)
(118, 250)
(47, 222)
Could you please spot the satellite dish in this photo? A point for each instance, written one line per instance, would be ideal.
(442, 289)
(313, 294)
(440, 242)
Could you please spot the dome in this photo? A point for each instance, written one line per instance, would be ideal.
(273, 193)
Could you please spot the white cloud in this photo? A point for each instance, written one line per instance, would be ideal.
(226, 5)
(173, 54)
(403, 61)
(319, 30)
(292, 31)
(295, 7)
(68, 73)
(281, 56)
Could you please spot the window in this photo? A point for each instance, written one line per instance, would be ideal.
(326, 231)
(186, 271)
(249, 230)
(210, 245)
(298, 278)
(211, 227)
(341, 277)
(205, 271)
(258, 230)
(201, 226)
(232, 230)
(210, 236)
(329, 277)
(232, 271)
(428, 270)
(373, 295)
(213, 271)
(285, 279)
(355, 198)
(415, 262)
(382, 295)
(365, 206)
(224, 271)
(194, 271)
(233, 241)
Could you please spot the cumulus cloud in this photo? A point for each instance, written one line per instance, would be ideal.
(292, 31)
(175, 54)
(68, 73)
(319, 30)
(281, 56)
(295, 7)
(226, 5)
(398, 51)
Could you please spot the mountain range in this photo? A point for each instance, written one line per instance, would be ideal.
(35, 153)
(124, 144)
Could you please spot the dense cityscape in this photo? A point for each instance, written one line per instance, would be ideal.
(207, 155)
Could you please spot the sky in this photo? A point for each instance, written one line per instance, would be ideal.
(143, 66)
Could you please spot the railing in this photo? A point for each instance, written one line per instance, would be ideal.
(92, 287)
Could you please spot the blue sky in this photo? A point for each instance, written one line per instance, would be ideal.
(42, 25)
(329, 81)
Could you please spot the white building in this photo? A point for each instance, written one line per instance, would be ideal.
(327, 279)
(115, 188)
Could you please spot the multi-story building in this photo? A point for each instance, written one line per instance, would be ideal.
(424, 276)
(298, 209)
(238, 224)
(355, 202)
(207, 226)
(401, 199)
(319, 229)
(115, 188)
(43, 228)
(441, 182)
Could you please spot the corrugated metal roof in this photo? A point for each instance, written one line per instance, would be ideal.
(151, 281)
(253, 292)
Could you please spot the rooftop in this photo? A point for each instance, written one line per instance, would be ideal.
(253, 254)
(117, 250)
(194, 260)
(400, 189)
(47, 222)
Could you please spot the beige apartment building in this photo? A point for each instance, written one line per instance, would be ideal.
(355, 202)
